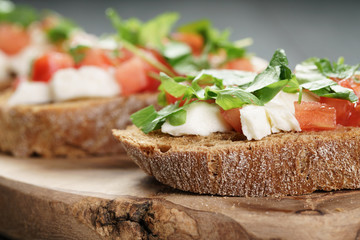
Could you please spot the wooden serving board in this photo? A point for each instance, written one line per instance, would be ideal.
(110, 198)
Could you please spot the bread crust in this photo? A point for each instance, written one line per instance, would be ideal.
(227, 164)
(68, 129)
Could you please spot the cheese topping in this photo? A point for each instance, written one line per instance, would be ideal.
(88, 81)
(30, 93)
(202, 119)
(254, 121)
(67, 84)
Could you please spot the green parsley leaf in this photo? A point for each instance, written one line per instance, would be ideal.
(267, 93)
(172, 87)
(277, 70)
(61, 31)
(78, 52)
(153, 32)
(177, 118)
(149, 34)
(292, 86)
(336, 70)
(229, 77)
(149, 120)
(230, 97)
(329, 88)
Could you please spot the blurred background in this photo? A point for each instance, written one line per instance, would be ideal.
(303, 28)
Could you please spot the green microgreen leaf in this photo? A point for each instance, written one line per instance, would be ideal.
(61, 30)
(148, 119)
(78, 52)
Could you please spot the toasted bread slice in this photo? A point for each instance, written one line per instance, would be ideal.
(227, 164)
(74, 129)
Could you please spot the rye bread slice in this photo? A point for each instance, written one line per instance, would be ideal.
(68, 129)
(227, 164)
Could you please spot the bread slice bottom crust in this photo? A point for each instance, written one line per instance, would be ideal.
(68, 129)
(227, 164)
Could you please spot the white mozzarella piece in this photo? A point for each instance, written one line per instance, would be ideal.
(201, 119)
(254, 122)
(88, 81)
(281, 119)
(287, 99)
(30, 93)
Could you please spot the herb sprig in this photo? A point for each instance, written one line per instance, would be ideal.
(209, 85)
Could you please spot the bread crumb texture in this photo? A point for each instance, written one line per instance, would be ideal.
(227, 164)
(69, 129)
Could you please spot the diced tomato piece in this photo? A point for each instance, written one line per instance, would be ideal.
(232, 116)
(195, 41)
(154, 83)
(170, 99)
(315, 116)
(131, 75)
(123, 55)
(243, 64)
(136, 75)
(343, 108)
(45, 66)
(13, 38)
(95, 57)
(354, 119)
(352, 84)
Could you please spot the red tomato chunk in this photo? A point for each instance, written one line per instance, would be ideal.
(13, 38)
(232, 117)
(45, 66)
(314, 116)
(343, 109)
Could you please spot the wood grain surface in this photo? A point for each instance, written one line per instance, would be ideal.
(110, 198)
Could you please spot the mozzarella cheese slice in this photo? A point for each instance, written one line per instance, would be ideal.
(30, 93)
(201, 119)
(254, 122)
(89, 81)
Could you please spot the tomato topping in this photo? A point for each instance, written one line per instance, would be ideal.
(343, 108)
(243, 64)
(134, 74)
(314, 116)
(232, 116)
(170, 99)
(195, 41)
(13, 38)
(45, 66)
(123, 55)
(95, 57)
(352, 84)
(154, 83)
(131, 76)
(354, 119)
